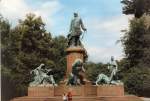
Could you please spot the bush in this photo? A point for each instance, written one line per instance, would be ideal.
(137, 81)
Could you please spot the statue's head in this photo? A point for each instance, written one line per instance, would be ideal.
(42, 64)
(76, 14)
(78, 62)
(112, 58)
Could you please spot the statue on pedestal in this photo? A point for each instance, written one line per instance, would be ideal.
(113, 67)
(112, 79)
(75, 78)
(42, 76)
(75, 32)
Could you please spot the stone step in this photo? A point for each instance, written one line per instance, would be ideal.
(100, 98)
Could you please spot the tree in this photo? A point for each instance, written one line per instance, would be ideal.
(60, 44)
(37, 46)
(136, 42)
(27, 46)
(6, 59)
(136, 7)
(93, 69)
(136, 64)
(137, 81)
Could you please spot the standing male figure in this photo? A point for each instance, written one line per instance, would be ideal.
(76, 28)
(113, 68)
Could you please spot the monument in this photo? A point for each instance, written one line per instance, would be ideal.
(44, 88)
(104, 79)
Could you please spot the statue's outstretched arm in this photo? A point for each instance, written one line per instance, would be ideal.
(71, 25)
(31, 71)
(108, 67)
(82, 25)
(116, 65)
(83, 69)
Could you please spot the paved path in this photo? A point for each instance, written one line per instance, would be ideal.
(146, 99)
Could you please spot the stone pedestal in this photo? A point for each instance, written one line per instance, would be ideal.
(74, 53)
(40, 91)
(87, 98)
(110, 90)
(85, 92)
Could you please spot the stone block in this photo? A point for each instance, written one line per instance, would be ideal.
(110, 90)
(40, 91)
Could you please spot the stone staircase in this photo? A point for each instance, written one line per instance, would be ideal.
(86, 92)
(102, 98)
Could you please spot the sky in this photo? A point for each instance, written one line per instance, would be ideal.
(102, 18)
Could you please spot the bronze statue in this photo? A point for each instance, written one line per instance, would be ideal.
(75, 78)
(75, 31)
(42, 77)
(104, 79)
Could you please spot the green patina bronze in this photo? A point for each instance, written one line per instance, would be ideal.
(104, 79)
(75, 78)
(42, 77)
(75, 31)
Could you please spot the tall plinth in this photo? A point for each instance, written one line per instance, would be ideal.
(74, 53)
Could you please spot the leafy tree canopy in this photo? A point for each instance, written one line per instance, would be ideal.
(27, 46)
(136, 7)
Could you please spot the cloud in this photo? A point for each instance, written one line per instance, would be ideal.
(113, 25)
(102, 38)
(103, 54)
(17, 9)
(48, 10)
(102, 32)
(13, 9)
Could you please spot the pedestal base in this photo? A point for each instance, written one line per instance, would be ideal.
(41, 91)
(85, 92)
(74, 53)
(110, 90)
(102, 98)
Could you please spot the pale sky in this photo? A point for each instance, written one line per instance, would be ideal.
(102, 18)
